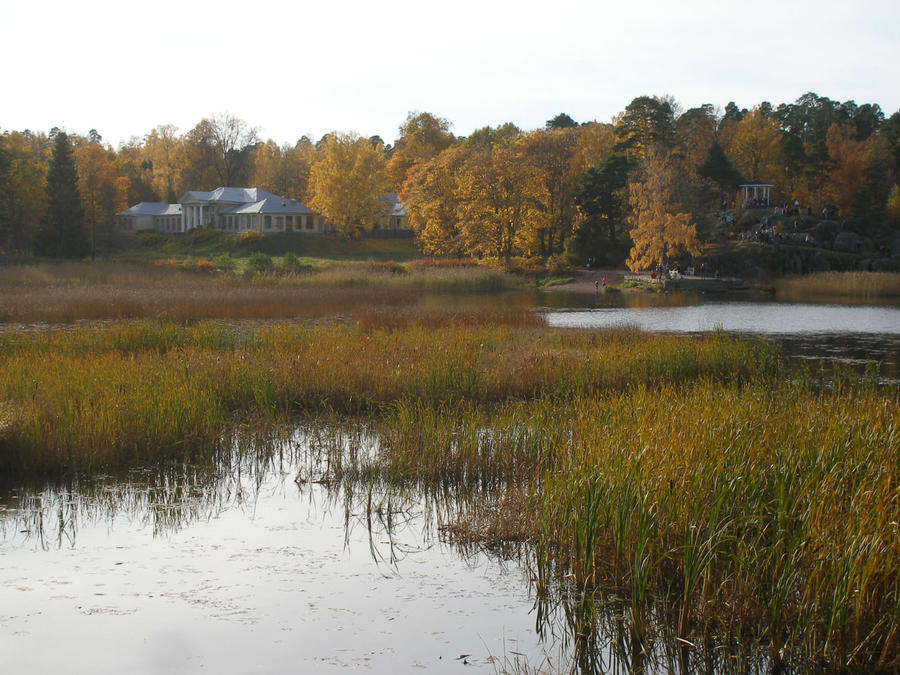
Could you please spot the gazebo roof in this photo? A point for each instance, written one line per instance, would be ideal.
(754, 183)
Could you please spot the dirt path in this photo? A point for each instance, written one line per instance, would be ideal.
(584, 280)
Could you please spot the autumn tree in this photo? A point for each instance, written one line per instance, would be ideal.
(347, 185)
(62, 233)
(132, 164)
(553, 154)
(422, 137)
(23, 196)
(491, 138)
(502, 205)
(659, 230)
(594, 143)
(849, 158)
(755, 148)
(429, 194)
(163, 155)
(103, 192)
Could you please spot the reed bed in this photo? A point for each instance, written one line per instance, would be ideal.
(764, 515)
(70, 292)
(862, 286)
(112, 394)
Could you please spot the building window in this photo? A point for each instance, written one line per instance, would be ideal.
(268, 222)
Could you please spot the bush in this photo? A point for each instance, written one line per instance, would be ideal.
(149, 238)
(260, 262)
(204, 265)
(249, 238)
(224, 262)
(202, 235)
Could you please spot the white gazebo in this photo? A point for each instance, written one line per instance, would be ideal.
(756, 194)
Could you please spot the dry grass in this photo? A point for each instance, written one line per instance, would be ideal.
(843, 285)
(71, 292)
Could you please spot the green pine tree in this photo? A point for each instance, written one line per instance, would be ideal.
(62, 233)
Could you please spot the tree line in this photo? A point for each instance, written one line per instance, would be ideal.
(648, 185)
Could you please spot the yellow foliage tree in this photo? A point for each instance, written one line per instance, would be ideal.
(754, 149)
(347, 185)
(163, 153)
(595, 142)
(502, 205)
(658, 231)
(553, 154)
(429, 195)
(422, 137)
(849, 158)
(23, 190)
(103, 192)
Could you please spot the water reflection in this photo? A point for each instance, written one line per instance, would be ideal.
(298, 554)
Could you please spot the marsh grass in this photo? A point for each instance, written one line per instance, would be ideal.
(689, 487)
(863, 286)
(120, 393)
(70, 292)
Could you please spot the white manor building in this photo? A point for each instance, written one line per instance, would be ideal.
(225, 208)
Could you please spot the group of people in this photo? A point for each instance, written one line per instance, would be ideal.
(785, 208)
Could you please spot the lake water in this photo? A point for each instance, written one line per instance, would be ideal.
(855, 335)
(239, 568)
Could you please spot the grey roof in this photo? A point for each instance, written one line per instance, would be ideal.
(395, 206)
(270, 205)
(228, 195)
(152, 209)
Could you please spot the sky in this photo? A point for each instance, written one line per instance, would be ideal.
(302, 68)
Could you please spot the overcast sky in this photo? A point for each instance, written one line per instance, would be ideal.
(307, 68)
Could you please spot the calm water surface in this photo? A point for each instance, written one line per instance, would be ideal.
(245, 571)
(856, 335)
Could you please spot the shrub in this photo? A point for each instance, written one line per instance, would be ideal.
(260, 262)
(202, 235)
(249, 238)
(204, 265)
(224, 262)
(149, 238)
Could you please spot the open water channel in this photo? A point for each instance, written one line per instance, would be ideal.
(241, 568)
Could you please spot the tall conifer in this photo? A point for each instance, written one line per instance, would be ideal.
(62, 233)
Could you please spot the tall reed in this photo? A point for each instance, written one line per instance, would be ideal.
(863, 286)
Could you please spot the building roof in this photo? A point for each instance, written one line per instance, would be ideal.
(270, 205)
(152, 209)
(228, 195)
(754, 183)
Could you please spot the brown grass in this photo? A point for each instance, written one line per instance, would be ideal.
(843, 285)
